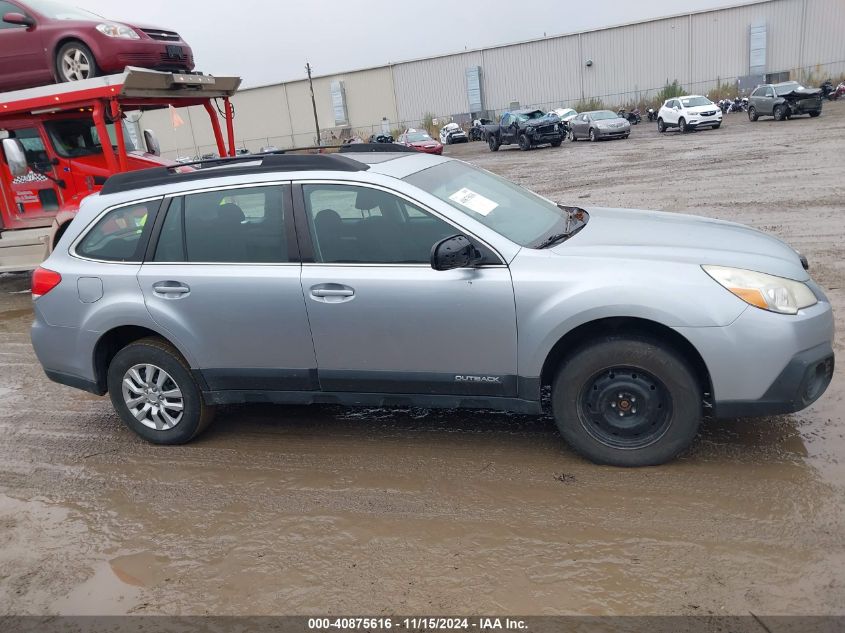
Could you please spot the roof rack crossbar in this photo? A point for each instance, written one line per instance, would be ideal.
(276, 162)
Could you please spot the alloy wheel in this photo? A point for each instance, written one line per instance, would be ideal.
(153, 397)
(76, 65)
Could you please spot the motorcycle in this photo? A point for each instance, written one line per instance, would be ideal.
(652, 114)
(828, 91)
(840, 91)
(633, 117)
(476, 131)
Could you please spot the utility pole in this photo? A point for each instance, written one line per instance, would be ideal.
(313, 102)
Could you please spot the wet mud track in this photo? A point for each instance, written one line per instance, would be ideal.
(307, 510)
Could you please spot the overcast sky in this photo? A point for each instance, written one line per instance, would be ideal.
(268, 42)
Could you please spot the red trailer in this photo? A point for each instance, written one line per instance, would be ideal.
(59, 129)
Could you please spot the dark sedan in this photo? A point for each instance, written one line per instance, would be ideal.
(42, 41)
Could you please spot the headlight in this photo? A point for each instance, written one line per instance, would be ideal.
(768, 292)
(118, 30)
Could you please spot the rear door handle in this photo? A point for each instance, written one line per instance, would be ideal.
(332, 293)
(327, 292)
(171, 289)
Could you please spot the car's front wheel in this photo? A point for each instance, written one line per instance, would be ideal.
(752, 114)
(153, 391)
(593, 136)
(661, 126)
(815, 113)
(682, 126)
(493, 143)
(779, 113)
(572, 136)
(524, 143)
(75, 62)
(627, 401)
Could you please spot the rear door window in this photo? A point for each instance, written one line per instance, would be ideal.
(121, 235)
(244, 225)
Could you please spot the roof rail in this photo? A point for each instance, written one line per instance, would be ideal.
(374, 147)
(235, 166)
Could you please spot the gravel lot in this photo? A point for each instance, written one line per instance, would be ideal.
(287, 510)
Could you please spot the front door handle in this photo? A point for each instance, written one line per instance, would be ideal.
(170, 289)
(332, 293)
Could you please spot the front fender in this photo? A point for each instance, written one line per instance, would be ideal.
(551, 301)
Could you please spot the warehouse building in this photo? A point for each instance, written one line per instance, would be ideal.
(742, 45)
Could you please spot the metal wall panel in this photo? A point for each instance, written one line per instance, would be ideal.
(542, 73)
(434, 86)
(824, 37)
(636, 60)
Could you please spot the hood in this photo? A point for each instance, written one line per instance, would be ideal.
(676, 237)
(703, 108)
(428, 143)
(551, 117)
(613, 122)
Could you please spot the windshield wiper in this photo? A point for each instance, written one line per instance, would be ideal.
(552, 239)
(575, 220)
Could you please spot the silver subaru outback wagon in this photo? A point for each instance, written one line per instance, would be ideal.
(398, 279)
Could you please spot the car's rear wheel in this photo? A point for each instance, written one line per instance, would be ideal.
(661, 126)
(493, 143)
(593, 137)
(779, 113)
(153, 391)
(752, 114)
(75, 62)
(627, 401)
(524, 143)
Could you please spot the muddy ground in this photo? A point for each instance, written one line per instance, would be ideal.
(287, 510)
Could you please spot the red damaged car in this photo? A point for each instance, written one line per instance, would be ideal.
(43, 41)
(421, 142)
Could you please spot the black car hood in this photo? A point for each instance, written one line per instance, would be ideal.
(549, 118)
(804, 93)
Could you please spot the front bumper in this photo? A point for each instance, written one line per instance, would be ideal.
(765, 363)
(613, 132)
(114, 54)
(804, 379)
(701, 121)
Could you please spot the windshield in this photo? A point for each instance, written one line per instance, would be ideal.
(787, 88)
(418, 136)
(79, 137)
(526, 116)
(691, 102)
(60, 11)
(603, 115)
(516, 213)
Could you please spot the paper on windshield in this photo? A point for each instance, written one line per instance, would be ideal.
(473, 201)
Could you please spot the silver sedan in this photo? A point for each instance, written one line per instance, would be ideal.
(598, 124)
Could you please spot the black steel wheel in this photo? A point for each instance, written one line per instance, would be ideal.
(627, 401)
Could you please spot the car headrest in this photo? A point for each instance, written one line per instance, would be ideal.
(367, 199)
(327, 218)
(230, 213)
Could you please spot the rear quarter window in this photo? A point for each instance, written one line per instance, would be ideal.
(121, 234)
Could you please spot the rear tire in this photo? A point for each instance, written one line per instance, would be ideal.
(151, 370)
(75, 62)
(661, 126)
(651, 386)
(752, 114)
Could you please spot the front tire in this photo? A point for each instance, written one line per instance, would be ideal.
(779, 113)
(75, 62)
(572, 136)
(682, 126)
(593, 137)
(493, 143)
(557, 143)
(815, 113)
(524, 143)
(661, 126)
(153, 391)
(752, 114)
(627, 401)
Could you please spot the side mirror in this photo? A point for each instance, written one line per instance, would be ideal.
(18, 19)
(151, 141)
(15, 157)
(454, 252)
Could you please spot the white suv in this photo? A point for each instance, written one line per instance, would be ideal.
(689, 112)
